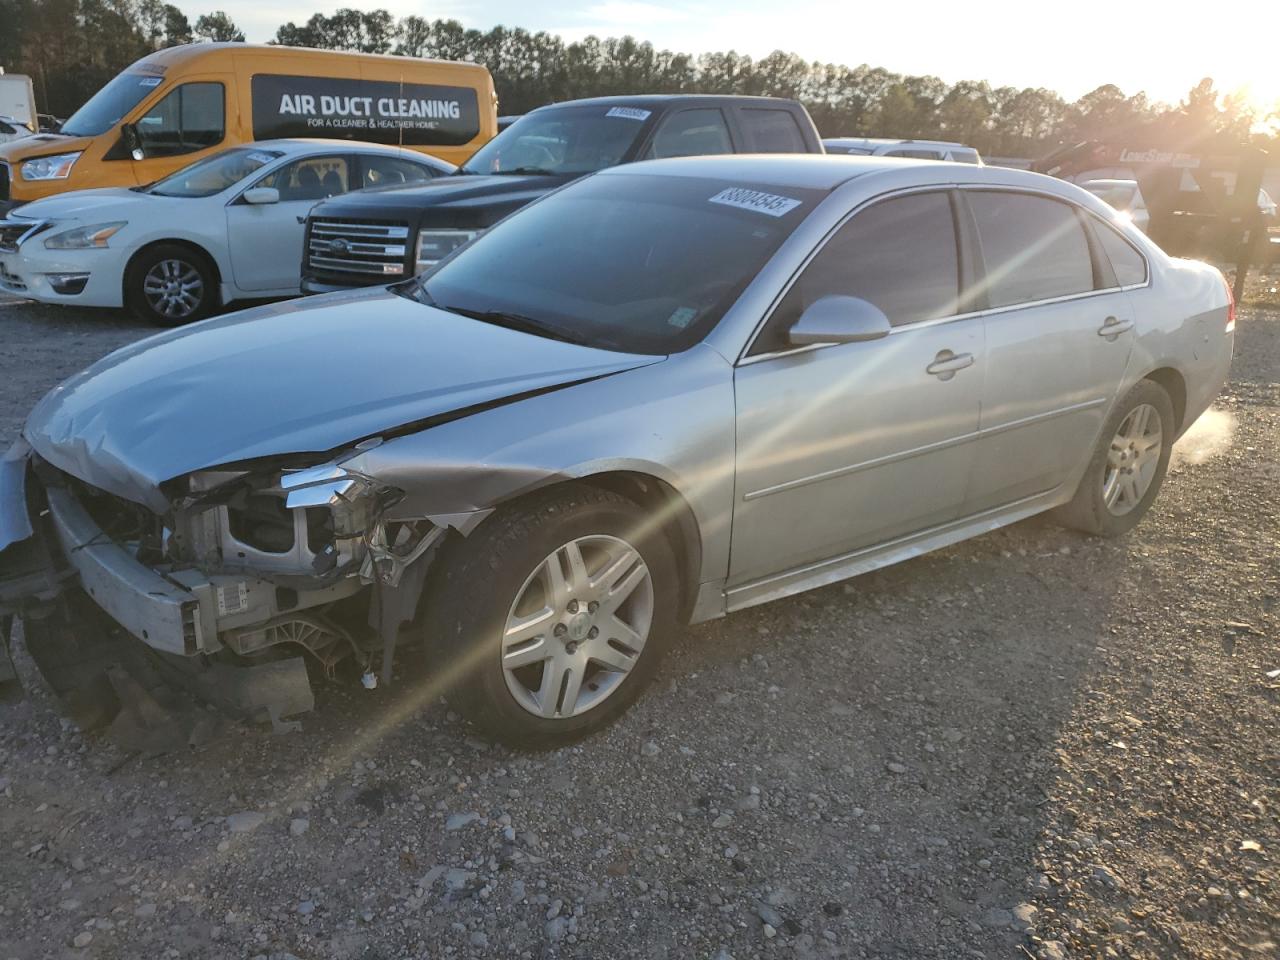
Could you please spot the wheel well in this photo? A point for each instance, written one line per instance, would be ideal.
(195, 247)
(675, 518)
(1176, 387)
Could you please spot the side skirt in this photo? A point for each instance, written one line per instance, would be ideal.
(825, 572)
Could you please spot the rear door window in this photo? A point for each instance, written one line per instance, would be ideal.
(389, 171)
(692, 133)
(1034, 248)
(899, 254)
(770, 130)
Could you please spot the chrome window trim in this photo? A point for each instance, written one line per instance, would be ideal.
(745, 360)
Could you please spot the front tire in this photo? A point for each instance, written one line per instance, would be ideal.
(1128, 465)
(170, 285)
(550, 619)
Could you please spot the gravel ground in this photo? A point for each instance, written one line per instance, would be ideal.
(1029, 745)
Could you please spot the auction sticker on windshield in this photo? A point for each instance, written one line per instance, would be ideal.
(760, 202)
(628, 113)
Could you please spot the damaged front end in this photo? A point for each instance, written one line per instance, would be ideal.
(249, 572)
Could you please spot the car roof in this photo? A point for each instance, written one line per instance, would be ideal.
(310, 144)
(890, 141)
(661, 100)
(829, 171)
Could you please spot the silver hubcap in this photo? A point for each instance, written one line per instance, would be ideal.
(577, 627)
(1132, 460)
(173, 288)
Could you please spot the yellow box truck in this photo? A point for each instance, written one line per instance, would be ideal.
(175, 105)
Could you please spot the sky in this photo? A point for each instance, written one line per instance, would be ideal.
(1162, 47)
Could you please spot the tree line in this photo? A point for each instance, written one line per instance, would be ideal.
(72, 47)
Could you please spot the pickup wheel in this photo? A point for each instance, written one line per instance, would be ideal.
(549, 620)
(1128, 465)
(170, 285)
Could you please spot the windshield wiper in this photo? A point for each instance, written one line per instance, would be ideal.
(518, 321)
(528, 171)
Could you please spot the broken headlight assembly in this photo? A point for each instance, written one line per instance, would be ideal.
(354, 502)
(311, 523)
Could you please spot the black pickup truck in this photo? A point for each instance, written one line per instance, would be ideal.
(389, 233)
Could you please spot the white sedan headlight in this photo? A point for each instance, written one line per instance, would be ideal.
(84, 238)
(57, 167)
(435, 245)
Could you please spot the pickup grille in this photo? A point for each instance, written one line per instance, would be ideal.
(4, 181)
(358, 252)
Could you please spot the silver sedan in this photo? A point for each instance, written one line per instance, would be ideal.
(659, 395)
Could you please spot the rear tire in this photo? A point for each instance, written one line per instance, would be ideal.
(541, 658)
(1128, 465)
(170, 285)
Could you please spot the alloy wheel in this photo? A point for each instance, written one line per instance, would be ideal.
(1132, 460)
(578, 627)
(173, 288)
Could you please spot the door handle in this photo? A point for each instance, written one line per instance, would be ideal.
(946, 364)
(1112, 327)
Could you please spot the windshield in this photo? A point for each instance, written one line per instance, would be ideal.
(568, 141)
(109, 105)
(214, 174)
(650, 266)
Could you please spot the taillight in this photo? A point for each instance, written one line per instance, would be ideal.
(1231, 308)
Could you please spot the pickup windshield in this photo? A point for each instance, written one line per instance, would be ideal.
(651, 265)
(109, 105)
(566, 141)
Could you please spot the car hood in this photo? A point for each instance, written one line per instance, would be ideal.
(453, 191)
(41, 145)
(81, 204)
(303, 377)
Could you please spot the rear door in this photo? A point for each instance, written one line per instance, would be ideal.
(1059, 331)
(265, 240)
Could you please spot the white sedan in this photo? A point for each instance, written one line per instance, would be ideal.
(228, 227)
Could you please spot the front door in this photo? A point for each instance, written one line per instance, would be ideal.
(847, 446)
(187, 123)
(1058, 339)
(266, 239)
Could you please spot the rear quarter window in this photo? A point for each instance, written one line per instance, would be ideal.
(770, 130)
(1129, 265)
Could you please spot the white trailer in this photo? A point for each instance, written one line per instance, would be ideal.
(18, 98)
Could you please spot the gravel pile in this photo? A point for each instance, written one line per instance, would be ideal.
(1032, 744)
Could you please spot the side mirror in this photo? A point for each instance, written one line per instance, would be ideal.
(258, 195)
(132, 141)
(839, 319)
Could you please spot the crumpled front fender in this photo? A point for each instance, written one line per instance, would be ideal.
(15, 522)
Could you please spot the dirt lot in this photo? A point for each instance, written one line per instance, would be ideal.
(1032, 744)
